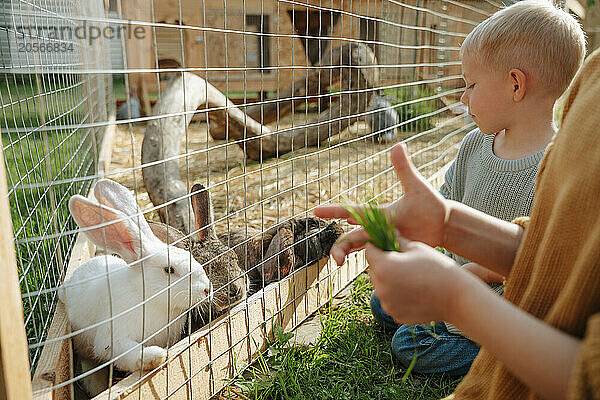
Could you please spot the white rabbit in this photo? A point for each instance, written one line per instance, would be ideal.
(167, 278)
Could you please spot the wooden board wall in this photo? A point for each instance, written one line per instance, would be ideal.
(218, 44)
(206, 45)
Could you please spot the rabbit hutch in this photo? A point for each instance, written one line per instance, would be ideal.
(254, 49)
(156, 256)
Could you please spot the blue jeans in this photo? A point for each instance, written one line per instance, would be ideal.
(447, 353)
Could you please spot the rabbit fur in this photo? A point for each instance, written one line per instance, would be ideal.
(220, 262)
(168, 278)
(273, 254)
(262, 256)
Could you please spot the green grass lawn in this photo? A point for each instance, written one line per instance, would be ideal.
(39, 210)
(352, 359)
(34, 158)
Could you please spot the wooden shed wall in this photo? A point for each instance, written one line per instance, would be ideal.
(224, 43)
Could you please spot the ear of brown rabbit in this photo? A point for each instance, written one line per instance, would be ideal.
(203, 213)
(169, 235)
(279, 258)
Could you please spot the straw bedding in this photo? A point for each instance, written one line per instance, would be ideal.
(261, 193)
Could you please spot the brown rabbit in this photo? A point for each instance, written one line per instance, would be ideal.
(264, 256)
(219, 261)
(271, 255)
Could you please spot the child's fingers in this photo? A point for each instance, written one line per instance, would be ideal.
(380, 257)
(405, 170)
(402, 241)
(379, 261)
(331, 211)
(483, 273)
(348, 243)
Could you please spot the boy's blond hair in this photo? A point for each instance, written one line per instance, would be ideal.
(533, 36)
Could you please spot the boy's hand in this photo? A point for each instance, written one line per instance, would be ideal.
(347, 243)
(415, 285)
(419, 215)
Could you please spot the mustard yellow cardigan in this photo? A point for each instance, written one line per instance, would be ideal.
(556, 273)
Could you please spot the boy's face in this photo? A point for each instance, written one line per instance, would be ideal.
(488, 95)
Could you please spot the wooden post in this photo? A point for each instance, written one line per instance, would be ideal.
(139, 49)
(15, 381)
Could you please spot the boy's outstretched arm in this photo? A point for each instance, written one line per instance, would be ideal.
(424, 215)
(420, 284)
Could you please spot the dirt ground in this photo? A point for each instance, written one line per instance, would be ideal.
(259, 194)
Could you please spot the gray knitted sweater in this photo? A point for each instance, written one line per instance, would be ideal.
(500, 188)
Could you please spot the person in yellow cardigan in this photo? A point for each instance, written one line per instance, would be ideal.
(542, 339)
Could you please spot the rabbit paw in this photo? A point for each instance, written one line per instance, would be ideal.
(154, 356)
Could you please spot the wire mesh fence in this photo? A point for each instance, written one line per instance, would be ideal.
(234, 119)
(47, 141)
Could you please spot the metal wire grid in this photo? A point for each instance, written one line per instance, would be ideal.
(354, 166)
(44, 141)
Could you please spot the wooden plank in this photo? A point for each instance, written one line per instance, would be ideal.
(55, 364)
(105, 155)
(200, 364)
(14, 360)
(139, 50)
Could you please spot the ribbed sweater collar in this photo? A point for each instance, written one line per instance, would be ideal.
(498, 164)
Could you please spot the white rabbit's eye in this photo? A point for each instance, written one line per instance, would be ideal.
(169, 270)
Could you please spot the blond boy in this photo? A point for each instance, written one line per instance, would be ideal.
(515, 66)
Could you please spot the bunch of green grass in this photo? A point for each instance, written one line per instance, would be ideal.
(377, 224)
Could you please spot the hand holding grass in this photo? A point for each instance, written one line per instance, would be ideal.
(424, 215)
(415, 285)
(418, 215)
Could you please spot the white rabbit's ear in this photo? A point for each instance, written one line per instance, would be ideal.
(122, 237)
(203, 212)
(117, 196)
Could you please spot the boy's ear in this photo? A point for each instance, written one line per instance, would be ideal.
(518, 80)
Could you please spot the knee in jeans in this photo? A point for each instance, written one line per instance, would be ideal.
(376, 309)
(403, 345)
(375, 304)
